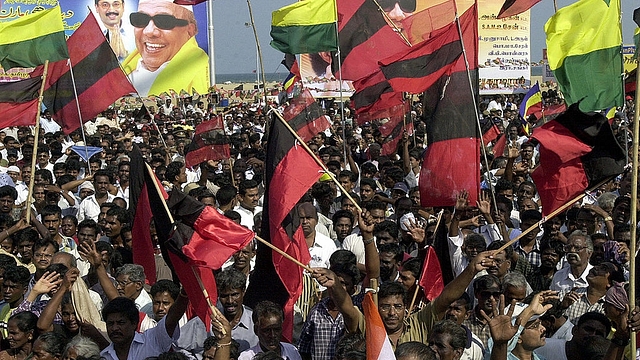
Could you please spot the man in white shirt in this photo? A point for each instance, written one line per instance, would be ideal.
(574, 274)
(121, 318)
(320, 246)
(248, 198)
(47, 123)
(90, 206)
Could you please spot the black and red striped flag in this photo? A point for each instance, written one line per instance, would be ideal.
(98, 77)
(210, 142)
(290, 172)
(451, 160)
(19, 102)
(577, 151)
(306, 116)
(515, 7)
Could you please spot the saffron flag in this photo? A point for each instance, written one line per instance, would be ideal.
(306, 116)
(431, 277)
(378, 344)
(19, 102)
(515, 7)
(584, 43)
(209, 143)
(305, 27)
(577, 152)
(451, 160)
(95, 68)
(32, 39)
(289, 173)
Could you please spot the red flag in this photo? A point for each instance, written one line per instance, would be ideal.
(19, 102)
(499, 146)
(491, 134)
(577, 152)
(431, 277)
(451, 160)
(99, 79)
(289, 173)
(515, 7)
(378, 344)
(305, 116)
(209, 143)
(215, 239)
(142, 245)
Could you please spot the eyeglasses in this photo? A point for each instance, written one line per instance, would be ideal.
(488, 294)
(387, 307)
(42, 256)
(534, 325)
(122, 283)
(573, 248)
(105, 5)
(161, 21)
(405, 5)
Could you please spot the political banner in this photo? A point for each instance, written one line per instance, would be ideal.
(504, 50)
(160, 45)
(628, 55)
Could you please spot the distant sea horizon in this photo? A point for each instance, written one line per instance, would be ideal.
(249, 78)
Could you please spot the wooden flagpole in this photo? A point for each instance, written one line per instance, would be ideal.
(255, 34)
(35, 144)
(273, 247)
(475, 101)
(550, 216)
(317, 160)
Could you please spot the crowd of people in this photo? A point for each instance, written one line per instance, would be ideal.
(71, 289)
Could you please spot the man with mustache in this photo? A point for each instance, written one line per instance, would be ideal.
(574, 274)
(120, 37)
(459, 311)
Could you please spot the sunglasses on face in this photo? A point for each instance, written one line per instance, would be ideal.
(161, 21)
(405, 5)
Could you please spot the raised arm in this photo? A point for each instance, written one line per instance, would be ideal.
(340, 297)
(88, 251)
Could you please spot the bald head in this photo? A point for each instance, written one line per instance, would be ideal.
(65, 259)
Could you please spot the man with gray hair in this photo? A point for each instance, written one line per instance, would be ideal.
(578, 251)
(514, 287)
(130, 280)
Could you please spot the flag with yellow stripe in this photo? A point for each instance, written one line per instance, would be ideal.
(31, 40)
(307, 26)
(584, 43)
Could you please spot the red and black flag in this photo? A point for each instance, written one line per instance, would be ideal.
(365, 38)
(210, 142)
(306, 116)
(98, 78)
(515, 7)
(417, 68)
(142, 245)
(490, 131)
(374, 94)
(19, 102)
(577, 152)
(289, 173)
(451, 160)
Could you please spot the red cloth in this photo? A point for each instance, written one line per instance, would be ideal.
(431, 277)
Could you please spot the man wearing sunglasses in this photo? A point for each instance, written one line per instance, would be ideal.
(167, 55)
(397, 10)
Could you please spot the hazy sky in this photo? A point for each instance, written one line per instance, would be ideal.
(235, 48)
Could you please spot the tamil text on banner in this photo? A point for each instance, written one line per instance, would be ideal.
(149, 62)
(504, 50)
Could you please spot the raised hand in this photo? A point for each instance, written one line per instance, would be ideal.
(502, 330)
(49, 281)
(88, 251)
(416, 231)
(325, 277)
(484, 204)
(462, 200)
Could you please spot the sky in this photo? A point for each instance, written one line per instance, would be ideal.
(235, 47)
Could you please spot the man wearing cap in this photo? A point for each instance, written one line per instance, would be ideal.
(166, 55)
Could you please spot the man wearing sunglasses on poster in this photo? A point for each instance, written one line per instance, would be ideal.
(397, 10)
(167, 55)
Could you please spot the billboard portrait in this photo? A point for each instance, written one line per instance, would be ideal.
(157, 42)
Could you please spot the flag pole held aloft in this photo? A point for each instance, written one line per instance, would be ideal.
(35, 143)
